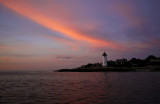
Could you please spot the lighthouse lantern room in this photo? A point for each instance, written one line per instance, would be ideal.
(104, 59)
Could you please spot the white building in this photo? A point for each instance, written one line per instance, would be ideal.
(104, 59)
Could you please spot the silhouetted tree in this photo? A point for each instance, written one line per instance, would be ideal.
(150, 57)
(138, 62)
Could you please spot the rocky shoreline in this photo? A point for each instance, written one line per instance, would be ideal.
(113, 69)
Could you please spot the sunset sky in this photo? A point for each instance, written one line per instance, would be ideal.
(53, 34)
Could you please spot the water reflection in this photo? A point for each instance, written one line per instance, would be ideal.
(80, 88)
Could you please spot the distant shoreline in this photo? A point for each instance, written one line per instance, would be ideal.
(113, 69)
(150, 64)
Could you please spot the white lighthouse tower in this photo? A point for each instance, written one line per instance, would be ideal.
(104, 59)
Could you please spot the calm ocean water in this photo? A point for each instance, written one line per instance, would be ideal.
(80, 88)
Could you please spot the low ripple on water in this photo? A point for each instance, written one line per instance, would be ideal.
(80, 88)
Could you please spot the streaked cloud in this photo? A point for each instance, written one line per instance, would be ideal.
(6, 58)
(64, 57)
(27, 10)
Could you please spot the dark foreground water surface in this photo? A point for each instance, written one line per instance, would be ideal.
(80, 88)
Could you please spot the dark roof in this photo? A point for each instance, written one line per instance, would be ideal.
(104, 54)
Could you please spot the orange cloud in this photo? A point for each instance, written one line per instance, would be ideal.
(66, 42)
(25, 9)
(6, 58)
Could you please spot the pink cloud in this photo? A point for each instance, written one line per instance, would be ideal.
(6, 58)
(128, 12)
(26, 9)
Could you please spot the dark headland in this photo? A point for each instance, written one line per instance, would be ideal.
(150, 64)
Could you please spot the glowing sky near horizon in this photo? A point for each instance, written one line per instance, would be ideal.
(53, 34)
